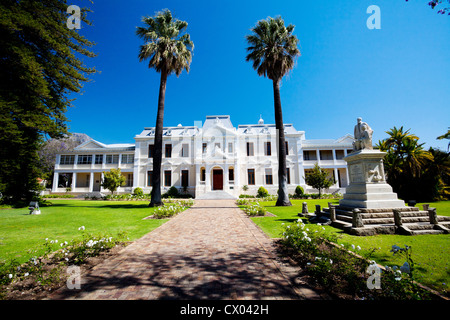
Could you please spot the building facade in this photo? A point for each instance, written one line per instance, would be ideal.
(204, 158)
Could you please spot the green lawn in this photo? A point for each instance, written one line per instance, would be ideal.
(21, 232)
(430, 252)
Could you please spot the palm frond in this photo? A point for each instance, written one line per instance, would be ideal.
(272, 48)
(167, 45)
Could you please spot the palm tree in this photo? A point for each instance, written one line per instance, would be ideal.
(397, 138)
(169, 50)
(273, 49)
(445, 136)
(405, 161)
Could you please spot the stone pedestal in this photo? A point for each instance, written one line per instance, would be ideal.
(368, 187)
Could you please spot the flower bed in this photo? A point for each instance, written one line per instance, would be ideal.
(345, 274)
(42, 274)
(255, 209)
(171, 208)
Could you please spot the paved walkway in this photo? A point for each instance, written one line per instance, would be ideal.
(210, 251)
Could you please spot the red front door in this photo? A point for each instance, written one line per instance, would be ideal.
(217, 179)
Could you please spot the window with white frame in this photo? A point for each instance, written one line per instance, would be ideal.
(168, 150)
(112, 158)
(268, 176)
(167, 178)
(202, 174)
(251, 176)
(250, 151)
(128, 180)
(309, 155)
(67, 159)
(84, 159)
(267, 148)
(185, 150)
(151, 150)
(98, 159)
(149, 178)
(230, 147)
(231, 174)
(128, 158)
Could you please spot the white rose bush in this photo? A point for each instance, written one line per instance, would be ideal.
(255, 209)
(171, 208)
(342, 269)
(45, 269)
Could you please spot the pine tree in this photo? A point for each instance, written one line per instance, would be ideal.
(39, 67)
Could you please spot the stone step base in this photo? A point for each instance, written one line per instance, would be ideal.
(389, 218)
(409, 228)
(381, 221)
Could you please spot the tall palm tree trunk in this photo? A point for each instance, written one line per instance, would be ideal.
(283, 196)
(157, 156)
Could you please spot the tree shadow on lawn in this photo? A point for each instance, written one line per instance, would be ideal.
(105, 205)
(287, 220)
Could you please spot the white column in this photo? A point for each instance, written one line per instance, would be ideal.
(136, 164)
(208, 186)
(55, 181)
(93, 161)
(334, 155)
(197, 174)
(101, 180)
(57, 161)
(74, 180)
(301, 175)
(91, 182)
(104, 161)
(136, 179)
(318, 156)
(336, 176)
(237, 176)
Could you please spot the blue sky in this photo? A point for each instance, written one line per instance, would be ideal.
(395, 76)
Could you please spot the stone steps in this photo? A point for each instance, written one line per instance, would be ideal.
(384, 218)
(215, 195)
(414, 221)
(419, 232)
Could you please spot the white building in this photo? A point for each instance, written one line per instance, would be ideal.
(203, 158)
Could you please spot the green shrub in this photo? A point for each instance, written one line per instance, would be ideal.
(52, 196)
(138, 192)
(172, 193)
(299, 191)
(262, 192)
